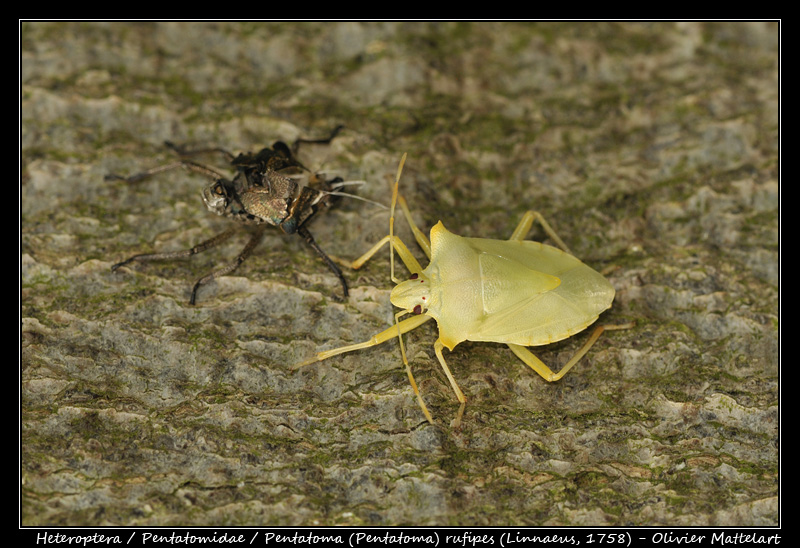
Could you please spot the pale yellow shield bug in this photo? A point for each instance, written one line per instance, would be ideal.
(517, 292)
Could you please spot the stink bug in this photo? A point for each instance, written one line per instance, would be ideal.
(266, 190)
(517, 292)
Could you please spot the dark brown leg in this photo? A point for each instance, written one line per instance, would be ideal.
(325, 141)
(303, 231)
(199, 248)
(245, 253)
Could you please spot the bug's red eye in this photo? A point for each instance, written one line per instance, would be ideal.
(414, 276)
(418, 309)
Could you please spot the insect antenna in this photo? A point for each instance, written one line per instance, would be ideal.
(408, 368)
(395, 190)
(337, 192)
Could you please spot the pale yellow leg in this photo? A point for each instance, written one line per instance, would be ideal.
(525, 224)
(437, 347)
(395, 331)
(408, 366)
(546, 373)
(405, 255)
(408, 259)
(404, 327)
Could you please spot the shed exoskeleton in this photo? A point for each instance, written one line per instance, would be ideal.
(270, 188)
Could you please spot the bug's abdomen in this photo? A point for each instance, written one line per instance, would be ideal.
(510, 291)
(539, 318)
(543, 294)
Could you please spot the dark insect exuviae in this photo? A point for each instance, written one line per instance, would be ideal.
(267, 190)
